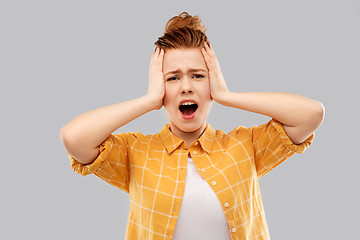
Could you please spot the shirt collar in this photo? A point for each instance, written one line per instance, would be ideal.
(172, 142)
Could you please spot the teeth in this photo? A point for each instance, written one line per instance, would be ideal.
(188, 103)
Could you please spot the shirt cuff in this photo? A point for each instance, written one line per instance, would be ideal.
(298, 148)
(86, 169)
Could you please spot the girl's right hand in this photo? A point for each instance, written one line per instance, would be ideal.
(156, 78)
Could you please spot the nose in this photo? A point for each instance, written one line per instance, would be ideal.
(186, 86)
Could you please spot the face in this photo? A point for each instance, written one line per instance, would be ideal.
(187, 90)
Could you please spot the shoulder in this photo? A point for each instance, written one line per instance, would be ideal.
(137, 137)
(238, 136)
(235, 132)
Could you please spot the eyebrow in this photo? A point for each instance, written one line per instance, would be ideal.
(190, 70)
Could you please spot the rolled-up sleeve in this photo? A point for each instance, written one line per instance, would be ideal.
(272, 146)
(112, 164)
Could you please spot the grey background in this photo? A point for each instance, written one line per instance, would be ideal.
(59, 59)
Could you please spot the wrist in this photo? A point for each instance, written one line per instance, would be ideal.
(221, 96)
(155, 102)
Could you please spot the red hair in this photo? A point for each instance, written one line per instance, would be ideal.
(183, 30)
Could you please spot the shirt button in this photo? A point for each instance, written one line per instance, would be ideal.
(203, 170)
(233, 229)
(194, 152)
(213, 183)
(226, 204)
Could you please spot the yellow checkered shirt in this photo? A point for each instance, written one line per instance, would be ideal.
(152, 169)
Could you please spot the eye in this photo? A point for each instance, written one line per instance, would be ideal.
(198, 76)
(171, 79)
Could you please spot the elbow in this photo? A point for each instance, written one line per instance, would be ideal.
(318, 115)
(69, 136)
(320, 112)
(62, 133)
(65, 138)
(73, 146)
(69, 140)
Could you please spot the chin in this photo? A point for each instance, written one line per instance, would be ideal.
(189, 127)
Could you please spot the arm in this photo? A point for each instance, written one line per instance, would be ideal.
(300, 115)
(83, 135)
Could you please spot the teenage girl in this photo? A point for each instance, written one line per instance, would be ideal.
(190, 181)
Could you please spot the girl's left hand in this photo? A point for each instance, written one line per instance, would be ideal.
(217, 83)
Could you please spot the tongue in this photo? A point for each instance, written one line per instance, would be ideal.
(188, 110)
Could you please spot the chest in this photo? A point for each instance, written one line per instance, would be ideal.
(156, 173)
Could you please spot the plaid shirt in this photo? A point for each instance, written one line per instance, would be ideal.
(152, 169)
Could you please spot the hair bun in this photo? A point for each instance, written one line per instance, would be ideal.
(185, 20)
(183, 31)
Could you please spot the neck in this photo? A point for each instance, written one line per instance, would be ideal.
(188, 137)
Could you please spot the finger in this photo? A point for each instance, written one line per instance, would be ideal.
(158, 56)
(159, 60)
(207, 58)
(161, 57)
(154, 56)
(205, 54)
(210, 50)
(207, 49)
(156, 52)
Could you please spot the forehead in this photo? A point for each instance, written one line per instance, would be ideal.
(183, 58)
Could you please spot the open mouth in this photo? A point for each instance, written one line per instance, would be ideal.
(188, 109)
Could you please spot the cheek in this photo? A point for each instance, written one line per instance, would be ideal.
(205, 86)
(170, 95)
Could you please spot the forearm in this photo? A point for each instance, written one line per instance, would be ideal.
(82, 135)
(288, 108)
(299, 115)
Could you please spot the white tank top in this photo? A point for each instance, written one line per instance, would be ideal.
(201, 215)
